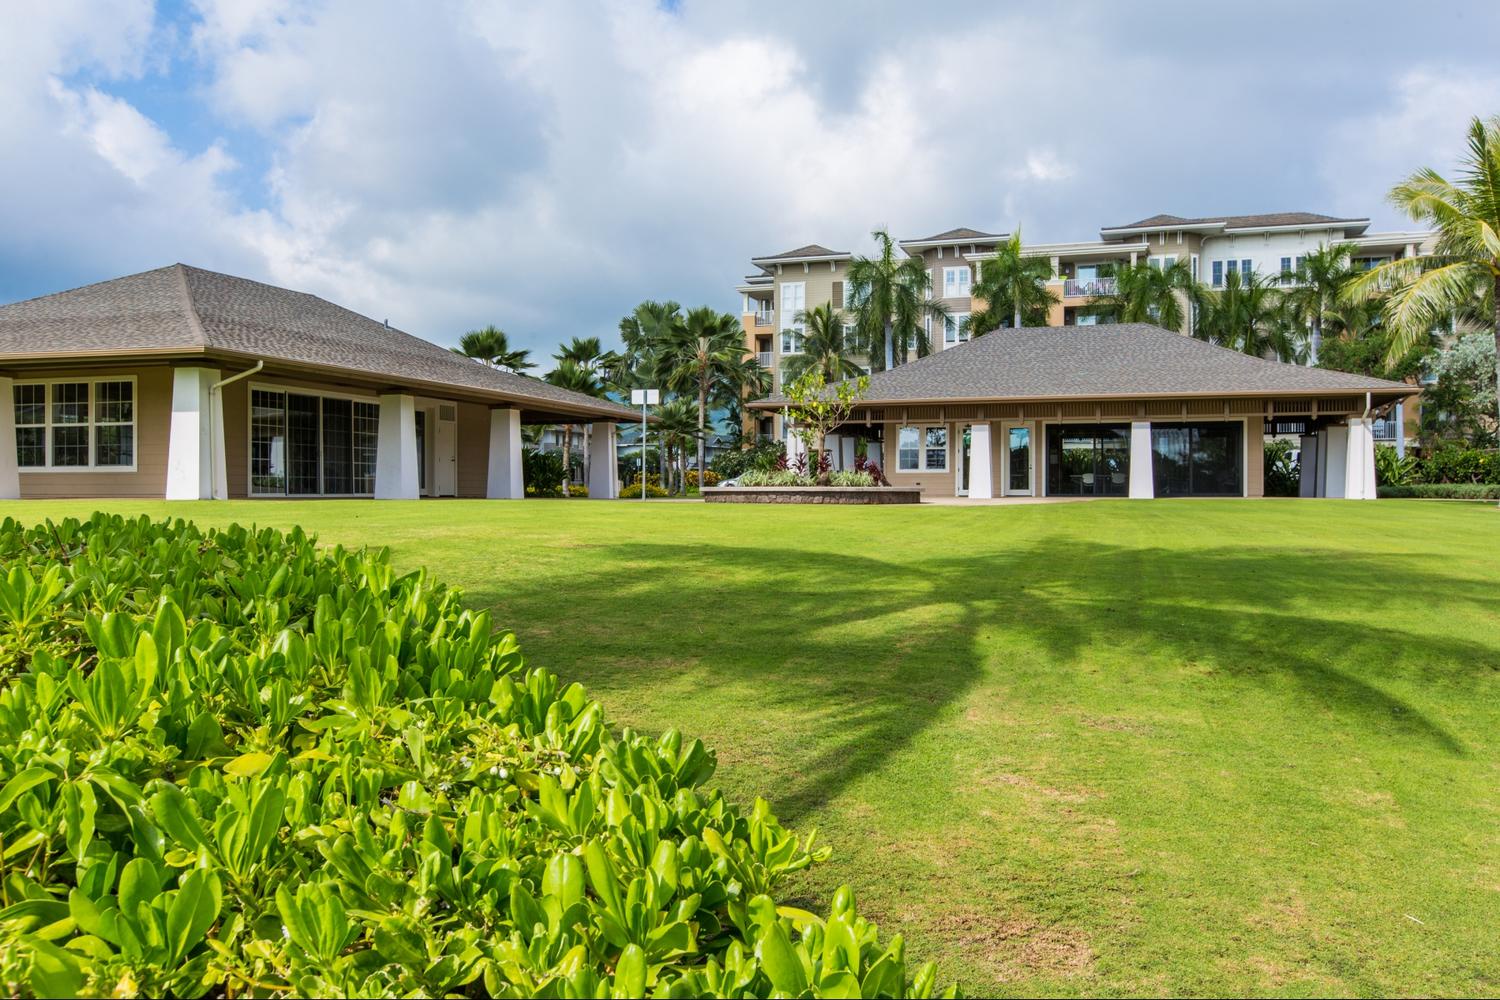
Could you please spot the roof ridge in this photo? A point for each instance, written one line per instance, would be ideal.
(189, 307)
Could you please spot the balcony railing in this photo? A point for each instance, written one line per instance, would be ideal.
(1098, 286)
(765, 317)
(766, 358)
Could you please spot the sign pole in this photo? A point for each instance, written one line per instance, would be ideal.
(643, 397)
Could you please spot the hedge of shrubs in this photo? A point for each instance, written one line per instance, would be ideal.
(1441, 491)
(232, 763)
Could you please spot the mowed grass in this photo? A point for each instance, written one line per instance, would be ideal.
(1123, 748)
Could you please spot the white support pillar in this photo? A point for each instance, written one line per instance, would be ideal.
(795, 447)
(1335, 446)
(10, 479)
(396, 449)
(981, 481)
(1359, 460)
(1400, 418)
(191, 440)
(505, 479)
(1142, 480)
(604, 474)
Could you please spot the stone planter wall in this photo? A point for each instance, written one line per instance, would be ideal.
(811, 494)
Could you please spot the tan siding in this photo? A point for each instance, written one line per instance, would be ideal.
(237, 438)
(473, 449)
(1255, 458)
(153, 419)
(933, 484)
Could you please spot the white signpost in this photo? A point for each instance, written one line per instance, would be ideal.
(644, 398)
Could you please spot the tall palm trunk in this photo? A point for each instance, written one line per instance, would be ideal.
(567, 457)
(1496, 292)
(702, 444)
(1316, 347)
(890, 344)
(1016, 322)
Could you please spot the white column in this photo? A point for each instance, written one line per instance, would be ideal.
(396, 449)
(795, 447)
(190, 441)
(1142, 482)
(848, 456)
(1335, 442)
(604, 476)
(505, 480)
(1359, 460)
(10, 479)
(981, 483)
(1400, 418)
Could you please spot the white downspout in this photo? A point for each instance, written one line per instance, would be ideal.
(214, 408)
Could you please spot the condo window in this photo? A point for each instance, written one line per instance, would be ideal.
(1160, 262)
(76, 424)
(955, 282)
(955, 329)
(1204, 459)
(1218, 274)
(303, 444)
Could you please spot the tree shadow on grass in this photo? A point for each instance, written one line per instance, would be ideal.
(868, 653)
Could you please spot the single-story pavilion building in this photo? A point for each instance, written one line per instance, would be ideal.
(181, 383)
(1126, 409)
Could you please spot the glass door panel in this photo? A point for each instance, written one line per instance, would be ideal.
(1018, 461)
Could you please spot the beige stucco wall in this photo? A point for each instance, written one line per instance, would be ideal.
(153, 416)
(473, 449)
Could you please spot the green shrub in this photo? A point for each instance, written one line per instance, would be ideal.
(1283, 477)
(542, 472)
(710, 478)
(775, 477)
(1391, 468)
(1442, 491)
(1455, 464)
(851, 477)
(234, 764)
(736, 462)
(633, 491)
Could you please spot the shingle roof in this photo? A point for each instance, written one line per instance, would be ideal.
(961, 233)
(1267, 220)
(811, 250)
(187, 310)
(1124, 359)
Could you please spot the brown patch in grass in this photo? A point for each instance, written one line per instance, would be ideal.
(1033, 788)
(1117, 724)
(1016, 947)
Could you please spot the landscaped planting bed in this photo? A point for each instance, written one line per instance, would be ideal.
(812, 494)
(234, 764)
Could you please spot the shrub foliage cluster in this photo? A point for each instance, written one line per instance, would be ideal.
(232, 763)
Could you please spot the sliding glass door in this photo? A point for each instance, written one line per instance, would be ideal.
(1204, 459)
(1088, 460)
(302, 444)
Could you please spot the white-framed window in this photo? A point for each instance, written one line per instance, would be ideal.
(1218, 267)
(956, 282)
(1161, 262)
(793, 303)
(76, 424)
(922, 449)
(954, 329)
(1086, 319)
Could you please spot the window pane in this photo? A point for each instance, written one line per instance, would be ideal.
(302, 420)
(366, 438)
(937, 449)
(114, 444)
(338, 446)
(1197, 459)
(1088, 459)
(31, 405)
(909, 449)
(70, 446)
(267, 442)
(31, 447)
(70, 404)
(113, 402)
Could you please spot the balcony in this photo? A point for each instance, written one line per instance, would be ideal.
(765, 317)
(766, 359)
(1074, 288)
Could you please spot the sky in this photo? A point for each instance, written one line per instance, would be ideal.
(546, 166)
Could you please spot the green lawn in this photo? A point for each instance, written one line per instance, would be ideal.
(1172, 747)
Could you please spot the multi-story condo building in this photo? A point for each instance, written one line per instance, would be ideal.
(1212, 247)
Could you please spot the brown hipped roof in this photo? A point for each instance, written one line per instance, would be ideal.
(183, 311)
(960, 234)
(1102, 361)
(1269, 220)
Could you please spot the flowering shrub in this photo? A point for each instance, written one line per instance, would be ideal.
(710, 478)
(234, 764)
(633, 491)
(863, 464)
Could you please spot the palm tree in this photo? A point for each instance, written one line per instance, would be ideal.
(1013, 287)
(570, 375)
(889, 299)
(1464, 266)
(826, 346)
(491, 347)
(702, 355)
(1247, 315)
(1148, 294)
(746, 379)
(1320, 279)
(585, 352)
(676, 426)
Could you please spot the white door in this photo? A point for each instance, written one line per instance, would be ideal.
(445, 451)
